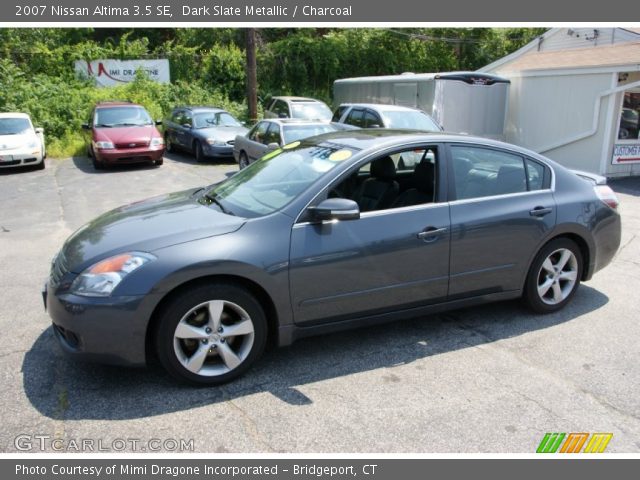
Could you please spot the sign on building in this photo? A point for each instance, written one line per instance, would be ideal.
(623, 154)
(109, 72)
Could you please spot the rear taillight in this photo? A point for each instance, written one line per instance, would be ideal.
(607, 196)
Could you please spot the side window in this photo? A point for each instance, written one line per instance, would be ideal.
(377, 185)
(175, 116)
(371, 120)
(337, 115)
(281, 109)
(483, 172)
(536, 175)
(259, 131)
(187, 119)
(355, 118)
(273, 134)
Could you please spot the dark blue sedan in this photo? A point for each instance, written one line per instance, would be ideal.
(203, 131)
(337, 231)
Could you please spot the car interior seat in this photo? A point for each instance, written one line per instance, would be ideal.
(423, 179)
(511, 179)
(380, 189)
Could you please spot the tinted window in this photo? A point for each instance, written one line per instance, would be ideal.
(259, 131)
(371, 120)
(175, 117)
(482, 172)
(535, 175)
(273, 135)
(355, 118)
(281, 109)
(337, 115)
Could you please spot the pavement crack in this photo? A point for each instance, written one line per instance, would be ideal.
(251, 427)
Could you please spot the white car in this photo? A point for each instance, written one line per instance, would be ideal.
(20, 142)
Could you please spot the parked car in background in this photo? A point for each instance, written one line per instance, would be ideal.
(297, 107)
(325, 235)
(269, 135)
(629, 124)
(20, 142)
(371, 115)
(121, 133)
(203, 131)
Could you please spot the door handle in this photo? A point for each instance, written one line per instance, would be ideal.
(430, 234)
(540, 211)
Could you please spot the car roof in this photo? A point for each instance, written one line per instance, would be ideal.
(294, 121)
(14, 115)
(378, 138)
(200, 108)
(116, 104)
(381, 107)
(297, 99)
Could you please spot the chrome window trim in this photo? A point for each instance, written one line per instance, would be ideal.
(494, 197)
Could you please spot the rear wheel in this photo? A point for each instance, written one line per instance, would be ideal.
(243, 161)
(167, 144)
(212, 334)
(198, 152)
(554, 276)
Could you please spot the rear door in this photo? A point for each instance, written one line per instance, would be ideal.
(502, 207)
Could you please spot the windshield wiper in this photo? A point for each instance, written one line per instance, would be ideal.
(217, 202)
(100, 125)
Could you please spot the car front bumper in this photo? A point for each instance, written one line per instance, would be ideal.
(129, 155)
(218, 150)
(14, 158)
(106, 330)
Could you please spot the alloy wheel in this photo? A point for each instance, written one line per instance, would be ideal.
(557, 276)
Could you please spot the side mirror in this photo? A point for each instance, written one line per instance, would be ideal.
(86, 126)
(272, 146)
(39, 130)
(335, 209)
(158, 122)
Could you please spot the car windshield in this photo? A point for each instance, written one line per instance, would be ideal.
(214, 119)
(122, 117)
(310, 111)
(298, 132)
(273, 181)
(14, 126)
(409, 119)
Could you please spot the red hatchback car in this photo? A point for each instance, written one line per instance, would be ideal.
(121, 133)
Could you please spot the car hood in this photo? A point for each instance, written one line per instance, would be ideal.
(133, 135)
(10, 142)
(146, 226)
(221, 133)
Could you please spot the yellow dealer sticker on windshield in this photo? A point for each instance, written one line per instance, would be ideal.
(272, 154)
(291, 145)
(340, 155)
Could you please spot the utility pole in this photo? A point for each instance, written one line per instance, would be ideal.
(252, 79)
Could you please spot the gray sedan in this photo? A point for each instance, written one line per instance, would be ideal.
(337, 231)
(269, 135)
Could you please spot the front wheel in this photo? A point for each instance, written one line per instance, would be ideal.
(554, 276)
(243, 161)
(198, 151)
(211, 334)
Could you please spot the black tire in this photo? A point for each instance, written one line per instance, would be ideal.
(198, 152)
(182, 307)
(539, 277)
(98, 165)
(167, 144)
(243, 161)
(41, 165)
(159, 162)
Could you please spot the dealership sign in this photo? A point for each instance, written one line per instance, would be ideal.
(108, 73)
(626, 154)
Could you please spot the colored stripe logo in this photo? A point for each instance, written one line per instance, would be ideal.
(573, 442)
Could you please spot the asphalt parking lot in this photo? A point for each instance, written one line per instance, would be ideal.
(489, 379)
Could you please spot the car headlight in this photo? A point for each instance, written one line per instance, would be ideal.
(218, 143)
(157, 142)
(104, 144)
(100, 279)
(33, 144)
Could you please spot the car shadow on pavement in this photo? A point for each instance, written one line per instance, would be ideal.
(61, 388)
(85, 165)
(186, 157)
(626, 185)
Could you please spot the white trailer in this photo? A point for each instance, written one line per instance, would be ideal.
(462, 102)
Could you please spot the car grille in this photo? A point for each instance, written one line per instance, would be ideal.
(58, 268)
(131, 144)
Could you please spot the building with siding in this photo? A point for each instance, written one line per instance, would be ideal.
(575, 98)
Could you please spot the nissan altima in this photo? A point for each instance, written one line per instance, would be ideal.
(332, 232)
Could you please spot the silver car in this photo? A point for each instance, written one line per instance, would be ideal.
(373, 115)
(20, 142)
(269, 135)
(297, 107)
